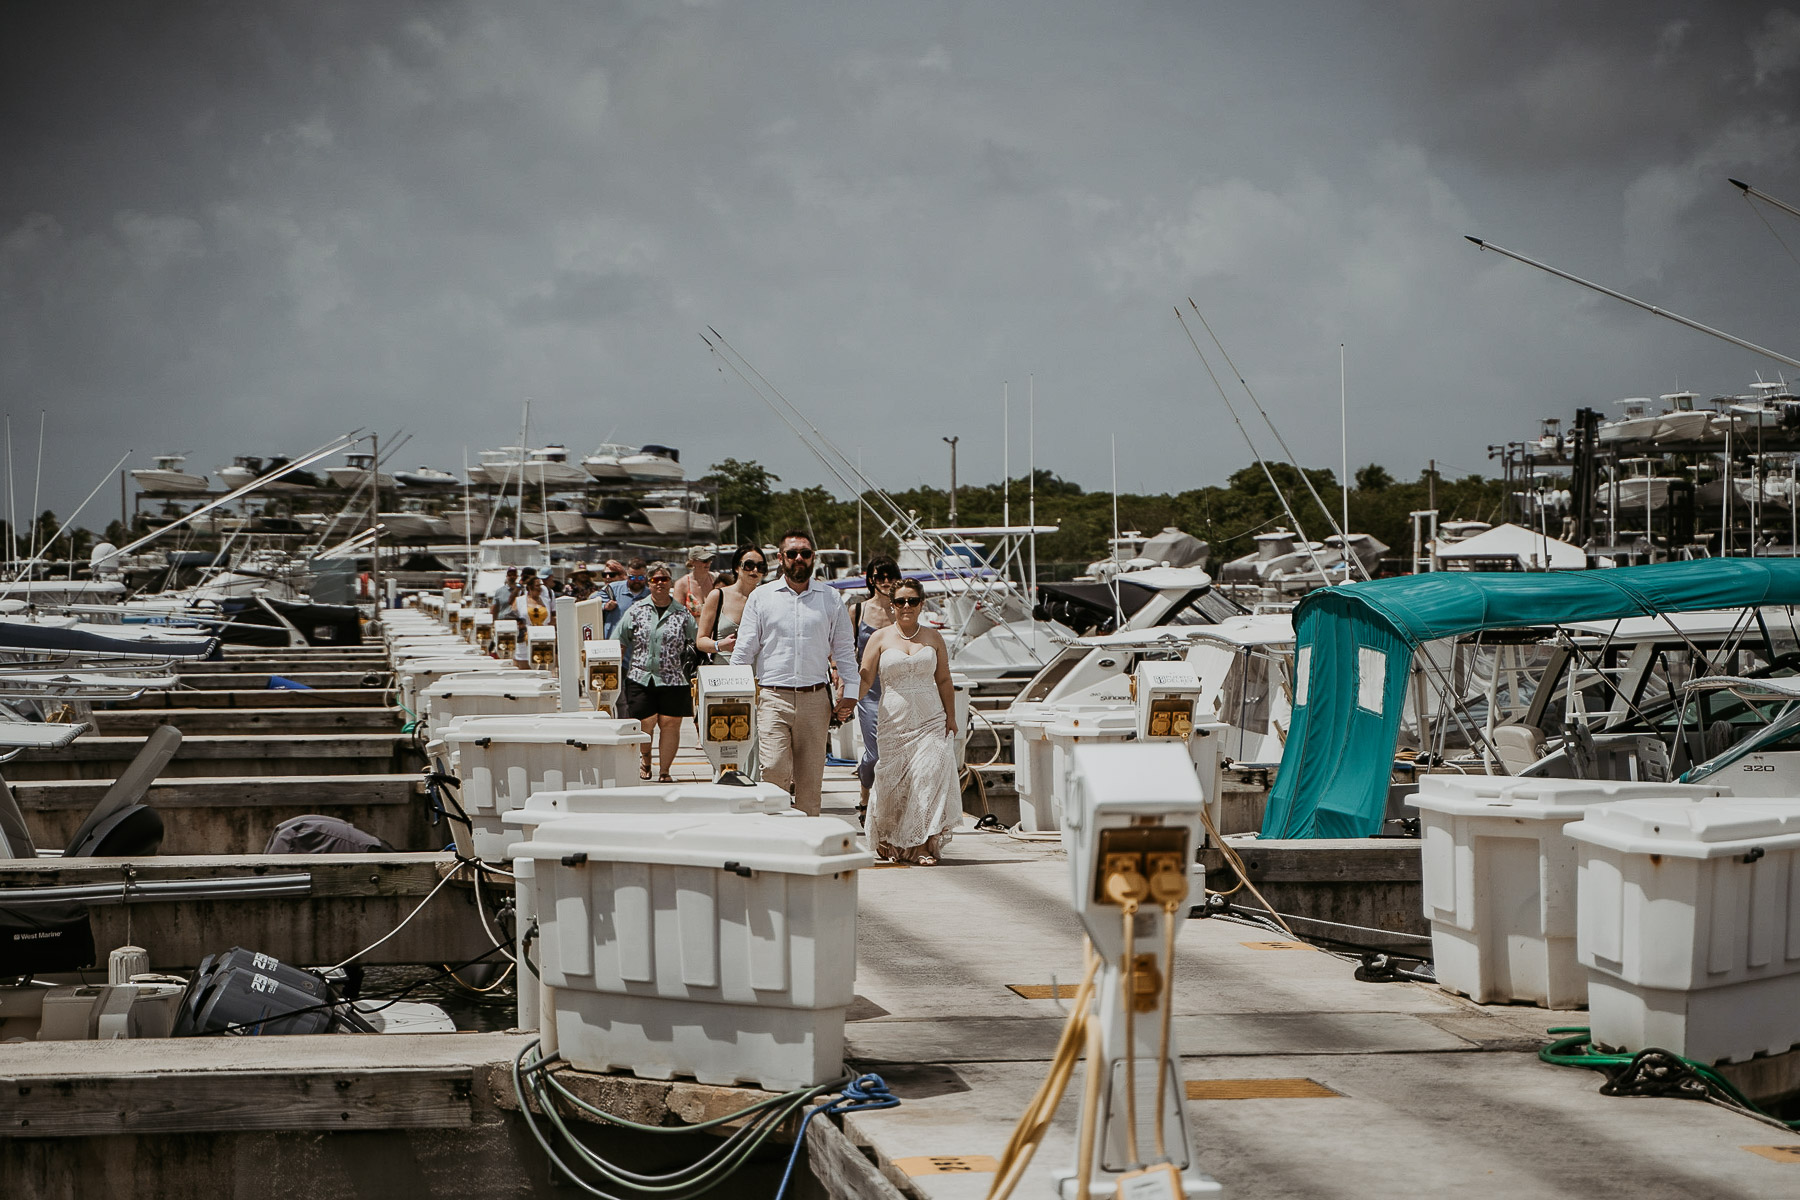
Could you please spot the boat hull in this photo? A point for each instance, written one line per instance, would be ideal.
(169, 482)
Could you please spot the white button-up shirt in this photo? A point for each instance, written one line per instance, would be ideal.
(791, 638)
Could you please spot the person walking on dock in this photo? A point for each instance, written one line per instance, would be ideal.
(655, 639)
(622, 594)
(792, 634)
(692, 589)
(881, 573)
(917, 800)
(531, 608)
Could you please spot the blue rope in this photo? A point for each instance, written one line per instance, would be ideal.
(865, 1093)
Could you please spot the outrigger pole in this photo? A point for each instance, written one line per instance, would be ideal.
(1636, 303)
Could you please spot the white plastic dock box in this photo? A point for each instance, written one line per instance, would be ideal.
(1031, 766)
(543, 807)
(713, 945)
(415, 675)
(486, 694)
(1690, 925)
(1499, 880)
(502, 760)
(1080, 726)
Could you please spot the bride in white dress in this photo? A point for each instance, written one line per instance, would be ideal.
(917, 800)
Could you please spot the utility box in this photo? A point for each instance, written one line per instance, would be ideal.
(1688, 929)
(485, 694)
(506, 638)
(541, 643)
(1500, 880)
(726, 704)
(1165, 695)
(503, 760)
(714, 945)
(603, 671)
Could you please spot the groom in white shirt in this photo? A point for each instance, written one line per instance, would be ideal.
(791, 634)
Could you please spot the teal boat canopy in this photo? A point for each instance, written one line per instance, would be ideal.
(1354, 647)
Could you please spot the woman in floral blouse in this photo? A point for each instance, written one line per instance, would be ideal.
(656, 638)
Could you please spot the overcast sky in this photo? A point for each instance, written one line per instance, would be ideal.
(236, 228)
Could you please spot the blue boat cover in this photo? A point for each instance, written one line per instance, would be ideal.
(1354, 644)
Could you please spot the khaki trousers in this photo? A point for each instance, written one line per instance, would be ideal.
(792, 728)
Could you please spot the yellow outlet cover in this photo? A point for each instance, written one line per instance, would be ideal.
(947, 1164)
(1277, 946)
(1781, 1154)
(1259, 1089)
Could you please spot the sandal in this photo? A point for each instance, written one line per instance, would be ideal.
(663, 778)
(644, 771)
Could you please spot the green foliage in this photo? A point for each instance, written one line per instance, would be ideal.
(1226, 516)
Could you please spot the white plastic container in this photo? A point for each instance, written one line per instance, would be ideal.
(1499, 880)
(503, 760)
(1031, 767)
(543, 807)
(485, 694)
(1081, 726)
(705, 944)
(416, 675)
(1690, 926)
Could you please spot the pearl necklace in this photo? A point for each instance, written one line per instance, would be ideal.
(911, 637)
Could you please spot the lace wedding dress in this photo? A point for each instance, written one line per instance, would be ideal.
(917, 800)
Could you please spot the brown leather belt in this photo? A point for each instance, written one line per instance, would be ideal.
(811, 687)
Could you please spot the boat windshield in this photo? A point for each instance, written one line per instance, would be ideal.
(1781, 734)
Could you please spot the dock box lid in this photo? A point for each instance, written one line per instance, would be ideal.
(507, 685)
(787, 845)
(1542, 799)
(1706, 828)
(541, 807)
(445, 665)
(581, 730)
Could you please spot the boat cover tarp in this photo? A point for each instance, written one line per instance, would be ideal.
(1354, 647)
(1174, 548)
(27, 635)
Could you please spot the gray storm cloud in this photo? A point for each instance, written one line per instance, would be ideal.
(240, 229)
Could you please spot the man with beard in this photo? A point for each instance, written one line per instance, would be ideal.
(792, 634)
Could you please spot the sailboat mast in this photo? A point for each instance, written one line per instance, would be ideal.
(1005, 454)
(1344, 443)
(524, 429)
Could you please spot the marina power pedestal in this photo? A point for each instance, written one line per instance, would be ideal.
(602, 672)
(541, 640)
(1131, 827)
(725, 699)
(506, 636)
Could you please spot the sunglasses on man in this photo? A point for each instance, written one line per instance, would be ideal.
(634, 579)
(797, 553)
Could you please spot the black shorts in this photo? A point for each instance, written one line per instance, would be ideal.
(637, 701)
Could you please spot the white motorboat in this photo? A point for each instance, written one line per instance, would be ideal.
(168, 477)
(242, 470)
(1637, 424)
(407, 525)
(495, 555)
(546, 467)
(603, 464)
(653, 464)
(1679, 422)
(560, 523)
(1639, 492)
(356, 473)
(675, 514)
(426, 477)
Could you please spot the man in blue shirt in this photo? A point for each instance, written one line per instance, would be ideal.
(625, 593)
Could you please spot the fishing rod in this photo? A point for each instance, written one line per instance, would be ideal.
(1267, 474)
(1751, 195)
(1636, 303)
(1293, 460)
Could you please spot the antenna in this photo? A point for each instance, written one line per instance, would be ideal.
(1118, 613)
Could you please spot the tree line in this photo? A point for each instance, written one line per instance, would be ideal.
(1228, 517)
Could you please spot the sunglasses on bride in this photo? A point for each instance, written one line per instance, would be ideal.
(907, 601)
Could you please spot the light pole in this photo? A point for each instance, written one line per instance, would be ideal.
(952, 442)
